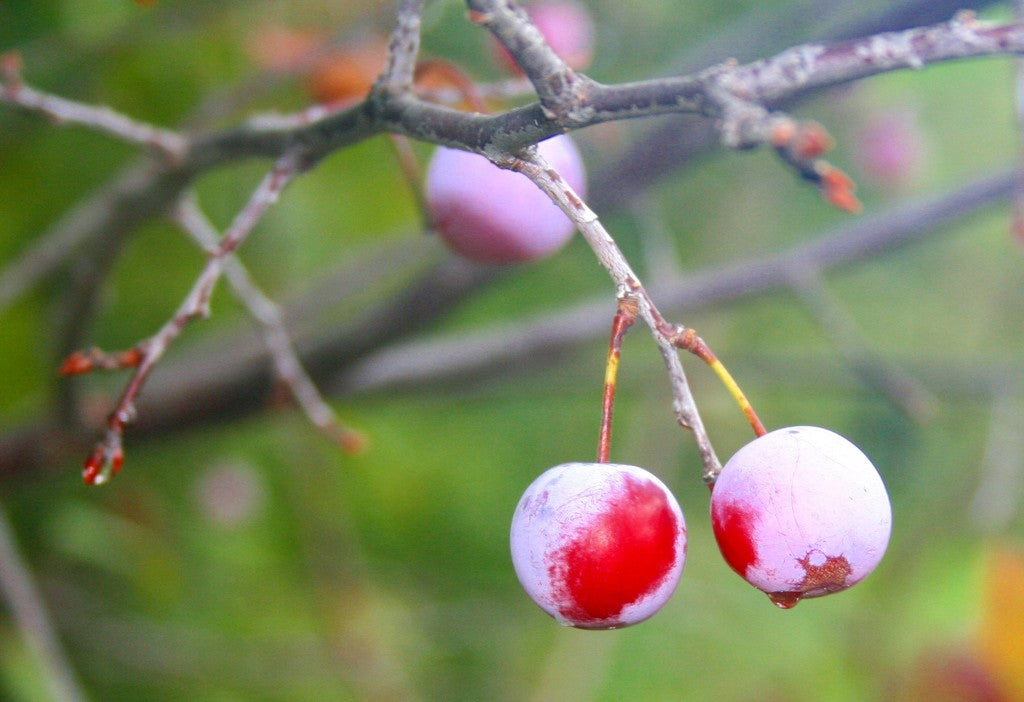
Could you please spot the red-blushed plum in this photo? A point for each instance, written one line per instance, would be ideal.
(800, 512)
(598, 545)
(496, 216)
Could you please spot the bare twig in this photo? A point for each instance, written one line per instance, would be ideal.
(403, 48)
(103, 119)
(901, 388)
(105, 460)
(32, 619)
(286, 361)
(557, 85)
(1017, 221)
(670, 144)
(717, 93)
(739, 97)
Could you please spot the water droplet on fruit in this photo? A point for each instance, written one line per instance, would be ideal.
(784, 600)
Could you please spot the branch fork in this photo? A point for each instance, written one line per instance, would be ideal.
(739, 97)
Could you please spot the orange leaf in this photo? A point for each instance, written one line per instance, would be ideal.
(1001, 632)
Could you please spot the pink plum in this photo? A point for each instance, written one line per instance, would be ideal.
(598, 545)
(495, 216)
(800, 512)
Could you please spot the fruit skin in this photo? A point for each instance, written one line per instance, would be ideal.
(800, 512)
(598, 545)
(495, 216)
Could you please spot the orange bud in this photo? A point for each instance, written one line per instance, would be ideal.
(811, 141)
(837, 187)
(782, 133)
(76, 364)
(130, 358)
(10, 65)
(352, 442)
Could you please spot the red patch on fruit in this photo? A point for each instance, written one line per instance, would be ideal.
(620, 556)
(733, 524)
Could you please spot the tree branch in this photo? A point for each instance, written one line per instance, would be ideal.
(32, 619)
(105, 460)
(717, 92)
(738, 97)
(853, 242)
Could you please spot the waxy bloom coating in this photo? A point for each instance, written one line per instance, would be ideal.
(491, 215)
(800, 512)
(598, 545)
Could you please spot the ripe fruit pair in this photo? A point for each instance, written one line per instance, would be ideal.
(799, 512)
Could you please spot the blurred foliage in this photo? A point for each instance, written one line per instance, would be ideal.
(251, 561)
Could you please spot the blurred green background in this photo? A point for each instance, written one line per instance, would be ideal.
(250, 560)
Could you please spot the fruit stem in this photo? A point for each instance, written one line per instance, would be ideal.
(688, 340)
(411, 172)
(625, 316)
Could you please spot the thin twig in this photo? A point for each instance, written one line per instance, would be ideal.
(32, 619)
(105, 460)
(287, 365)
(1017, 220)
(104, 119)
(403, 48)
(556, 84)
(789, 74)
(893, 382)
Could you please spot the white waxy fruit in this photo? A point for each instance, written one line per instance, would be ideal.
(496, 216)
(598, 545)
(801, 512)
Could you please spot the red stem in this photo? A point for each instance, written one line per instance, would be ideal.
(625, 316)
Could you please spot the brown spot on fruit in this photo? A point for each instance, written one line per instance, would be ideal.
(825, 574)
